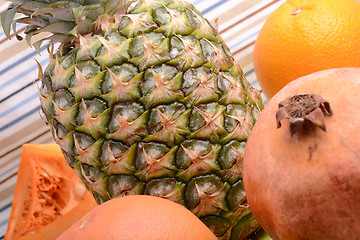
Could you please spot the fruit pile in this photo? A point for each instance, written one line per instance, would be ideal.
(144, 98)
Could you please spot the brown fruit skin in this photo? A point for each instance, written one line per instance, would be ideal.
(139, 217)
(307, 186)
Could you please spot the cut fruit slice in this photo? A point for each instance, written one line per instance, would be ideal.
(49, 197)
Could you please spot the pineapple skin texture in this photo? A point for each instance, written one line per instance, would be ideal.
(155, 104)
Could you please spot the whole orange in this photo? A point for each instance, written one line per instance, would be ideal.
(302, 37)
(139, 217)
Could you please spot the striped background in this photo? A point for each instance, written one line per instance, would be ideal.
(20, 122)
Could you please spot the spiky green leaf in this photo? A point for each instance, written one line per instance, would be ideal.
(61, 10)
(7, 19)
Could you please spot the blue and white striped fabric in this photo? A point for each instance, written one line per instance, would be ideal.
(239, 22)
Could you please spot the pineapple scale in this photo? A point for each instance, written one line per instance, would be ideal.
(156, 105)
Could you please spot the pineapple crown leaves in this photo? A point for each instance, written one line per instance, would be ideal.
(64, 19)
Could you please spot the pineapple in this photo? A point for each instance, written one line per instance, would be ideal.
(144, 97)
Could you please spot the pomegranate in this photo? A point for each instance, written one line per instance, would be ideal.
(302, 160)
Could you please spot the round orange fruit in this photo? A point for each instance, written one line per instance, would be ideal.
(139, 217)
(302, 37)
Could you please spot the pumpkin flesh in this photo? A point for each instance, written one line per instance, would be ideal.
(46, 190)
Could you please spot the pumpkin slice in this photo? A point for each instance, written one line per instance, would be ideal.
(49, 196)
